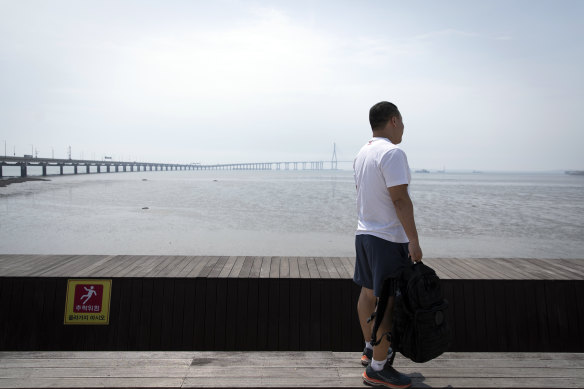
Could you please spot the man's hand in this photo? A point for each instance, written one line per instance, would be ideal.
(415, 251)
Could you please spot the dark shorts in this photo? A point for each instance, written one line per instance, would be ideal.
(377, 260)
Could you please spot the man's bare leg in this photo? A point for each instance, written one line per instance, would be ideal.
(380, 351)
(365, 307)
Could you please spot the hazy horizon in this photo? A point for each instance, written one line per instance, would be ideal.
(489, 86)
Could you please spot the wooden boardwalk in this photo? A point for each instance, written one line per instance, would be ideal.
(221, 303)
(280, 370)
(142, 266)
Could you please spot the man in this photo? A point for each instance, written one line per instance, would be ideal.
(386, 234)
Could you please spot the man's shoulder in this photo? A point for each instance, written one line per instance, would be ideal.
(378, 152)
(388, 149)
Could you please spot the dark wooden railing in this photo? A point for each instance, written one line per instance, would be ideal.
(279, 303)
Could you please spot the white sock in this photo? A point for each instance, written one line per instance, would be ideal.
(378, 365)
(368, 345)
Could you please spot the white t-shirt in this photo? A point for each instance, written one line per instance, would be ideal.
(379, 165)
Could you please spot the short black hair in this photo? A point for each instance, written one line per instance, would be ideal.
(381, 113)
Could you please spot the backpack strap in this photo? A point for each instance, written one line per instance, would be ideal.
(380, 312)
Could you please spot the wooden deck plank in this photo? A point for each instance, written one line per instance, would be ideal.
(16, 261)
(303, 267)
(574, 265)
(125, 264)
(246, 268)
(441, 269)
(22, 265)
(86, 271)
(463, 269)
(37, 269)
(98, 267)
(157, 265)
(285, 267)
(237, 266)
(227, 267)
(146, 265)
(171, 264)
(113, 265)
(192, 262)
(331, 267)
(281, 370)
(200, 264)
(208, 266)
(460, 272)
(117, 265)
(79, 261)
(129, 266)
(487, 272)
(312, 267)
(349, 265)
(68, 264)
(474, 268)
(434, 264)
(562, 267)
(256, 267)
(508, 268)
(321, 267)
(294, 272)
(346, 267)
(219, 265)
(181, 265)
(265, 269)
(529, 269)
(275, 267)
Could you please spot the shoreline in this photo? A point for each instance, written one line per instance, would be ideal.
(17, 180)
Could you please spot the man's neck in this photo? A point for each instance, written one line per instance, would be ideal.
(382, 134)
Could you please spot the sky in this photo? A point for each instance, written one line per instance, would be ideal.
(482, 85)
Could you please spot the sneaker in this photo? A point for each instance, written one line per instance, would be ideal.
(388, 377)
(368, 355)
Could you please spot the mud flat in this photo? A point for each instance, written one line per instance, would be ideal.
(15, 180)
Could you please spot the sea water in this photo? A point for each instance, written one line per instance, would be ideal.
(286, 213)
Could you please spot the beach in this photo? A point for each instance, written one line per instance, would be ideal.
(282, 213)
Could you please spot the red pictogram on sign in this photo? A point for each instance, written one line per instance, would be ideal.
(88, 298)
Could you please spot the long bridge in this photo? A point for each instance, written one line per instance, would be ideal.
(109, 166)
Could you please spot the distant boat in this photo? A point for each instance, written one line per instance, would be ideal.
(575, 172)
(476, 172)
(422, 171)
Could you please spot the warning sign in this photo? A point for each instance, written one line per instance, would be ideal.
(88, 301)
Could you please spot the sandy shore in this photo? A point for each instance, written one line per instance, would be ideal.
(15, 180)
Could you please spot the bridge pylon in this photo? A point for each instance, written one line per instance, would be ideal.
(334, 157)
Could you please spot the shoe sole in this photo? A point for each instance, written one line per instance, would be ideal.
(374, 382)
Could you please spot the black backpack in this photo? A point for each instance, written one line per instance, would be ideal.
(420, 331)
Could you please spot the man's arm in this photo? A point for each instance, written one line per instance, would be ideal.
(405, 212)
